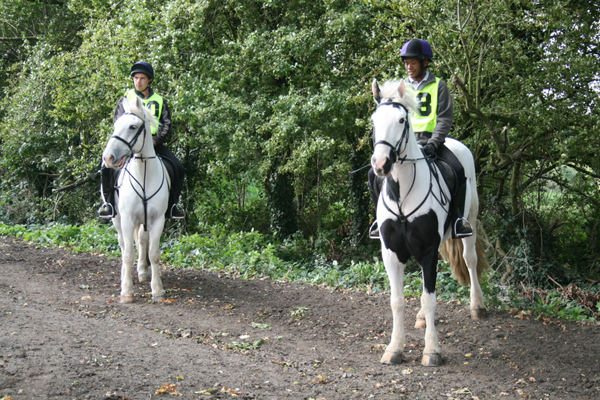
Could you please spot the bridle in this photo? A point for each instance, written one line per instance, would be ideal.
(133, 141)
(397, 149)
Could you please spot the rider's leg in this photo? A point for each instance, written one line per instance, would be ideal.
(107, 209)
(457, 203)
(173, 208)
(374, 188)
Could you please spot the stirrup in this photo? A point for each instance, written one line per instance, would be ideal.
(176, 216)
(463, 234)
(374, 231)
(112, 213)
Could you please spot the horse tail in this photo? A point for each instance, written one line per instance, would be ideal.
(452, 251)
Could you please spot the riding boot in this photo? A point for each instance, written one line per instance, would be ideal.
(174, 210)
(460, 229)
(375, 188)
(107, 210)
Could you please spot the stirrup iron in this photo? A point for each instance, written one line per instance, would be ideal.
(106, 216)
(374, 231)
(462, 235)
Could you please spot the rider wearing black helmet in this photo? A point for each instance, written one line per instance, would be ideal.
(142, 75)
(431, 124)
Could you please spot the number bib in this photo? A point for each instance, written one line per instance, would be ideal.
(425, 118)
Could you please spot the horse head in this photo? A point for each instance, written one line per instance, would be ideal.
(133, 124)
(392, 132)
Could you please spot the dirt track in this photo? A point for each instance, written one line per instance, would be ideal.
(63, 335)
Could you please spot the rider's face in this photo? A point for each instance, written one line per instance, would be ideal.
(413, 67)
(141, 81)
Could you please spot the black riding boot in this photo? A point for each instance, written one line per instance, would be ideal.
(375, 188)
(174, 210)
(107, 209)
(460, 230)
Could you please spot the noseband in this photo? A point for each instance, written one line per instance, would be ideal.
(133, 141)
(396, 149)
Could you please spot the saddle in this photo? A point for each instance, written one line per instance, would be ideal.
(448, 174)
(171, 170)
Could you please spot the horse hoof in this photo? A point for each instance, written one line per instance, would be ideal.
(158, 299)
(420, 323)
(144, 279)
(126, 298)
(479, 313)
(432, 360)
(392, 357)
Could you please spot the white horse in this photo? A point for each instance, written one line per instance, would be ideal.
(413, 218)
(141, 198)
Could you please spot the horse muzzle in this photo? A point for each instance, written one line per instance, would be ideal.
(381, 166)
(111, 162)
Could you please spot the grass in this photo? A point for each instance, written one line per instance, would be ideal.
(251, 255)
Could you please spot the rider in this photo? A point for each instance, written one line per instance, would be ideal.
(431, 124)
(142, 75)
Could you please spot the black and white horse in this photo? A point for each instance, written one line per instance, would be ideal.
(413, 218)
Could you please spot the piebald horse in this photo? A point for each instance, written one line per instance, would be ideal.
(413, 218)
(141, 199)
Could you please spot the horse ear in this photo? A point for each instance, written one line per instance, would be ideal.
(376, 92)
(126, 105)
(402, 89)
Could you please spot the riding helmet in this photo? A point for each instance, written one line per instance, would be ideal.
(417, 48)
(144, 68)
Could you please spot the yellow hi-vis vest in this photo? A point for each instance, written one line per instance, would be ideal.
(154, 103)
(425, 118)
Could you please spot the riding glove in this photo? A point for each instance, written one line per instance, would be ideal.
(429, 150)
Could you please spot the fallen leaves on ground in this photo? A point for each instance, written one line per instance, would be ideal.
(169, 388)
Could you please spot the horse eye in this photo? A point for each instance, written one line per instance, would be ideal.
(401, 120)
(133, 127)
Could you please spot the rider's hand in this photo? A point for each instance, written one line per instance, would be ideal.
(429, 150)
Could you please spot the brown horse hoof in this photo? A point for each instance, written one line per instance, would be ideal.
(420, 323)
(479, 313)
(392, 357)
(432, 360)
(126, 299)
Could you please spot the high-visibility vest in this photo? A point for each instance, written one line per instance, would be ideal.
(425, 118)
(154, 103)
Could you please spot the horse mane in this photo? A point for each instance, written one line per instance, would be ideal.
(142, 112)
(391, 91)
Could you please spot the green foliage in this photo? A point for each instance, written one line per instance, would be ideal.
(270, 103)
(90, 237)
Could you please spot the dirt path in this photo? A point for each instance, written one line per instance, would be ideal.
(63, 335)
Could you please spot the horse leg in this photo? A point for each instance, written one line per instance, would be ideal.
(432, 355)
(478, 310)
(128, 256)
(395, 272)
(141, 238)
(420, 323)
(158, 292)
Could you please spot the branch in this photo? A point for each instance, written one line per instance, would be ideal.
(75, 184)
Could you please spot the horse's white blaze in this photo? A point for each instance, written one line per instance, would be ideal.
(145, 176)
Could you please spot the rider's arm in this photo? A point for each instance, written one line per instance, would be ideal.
(164, 125)
(445, 115)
